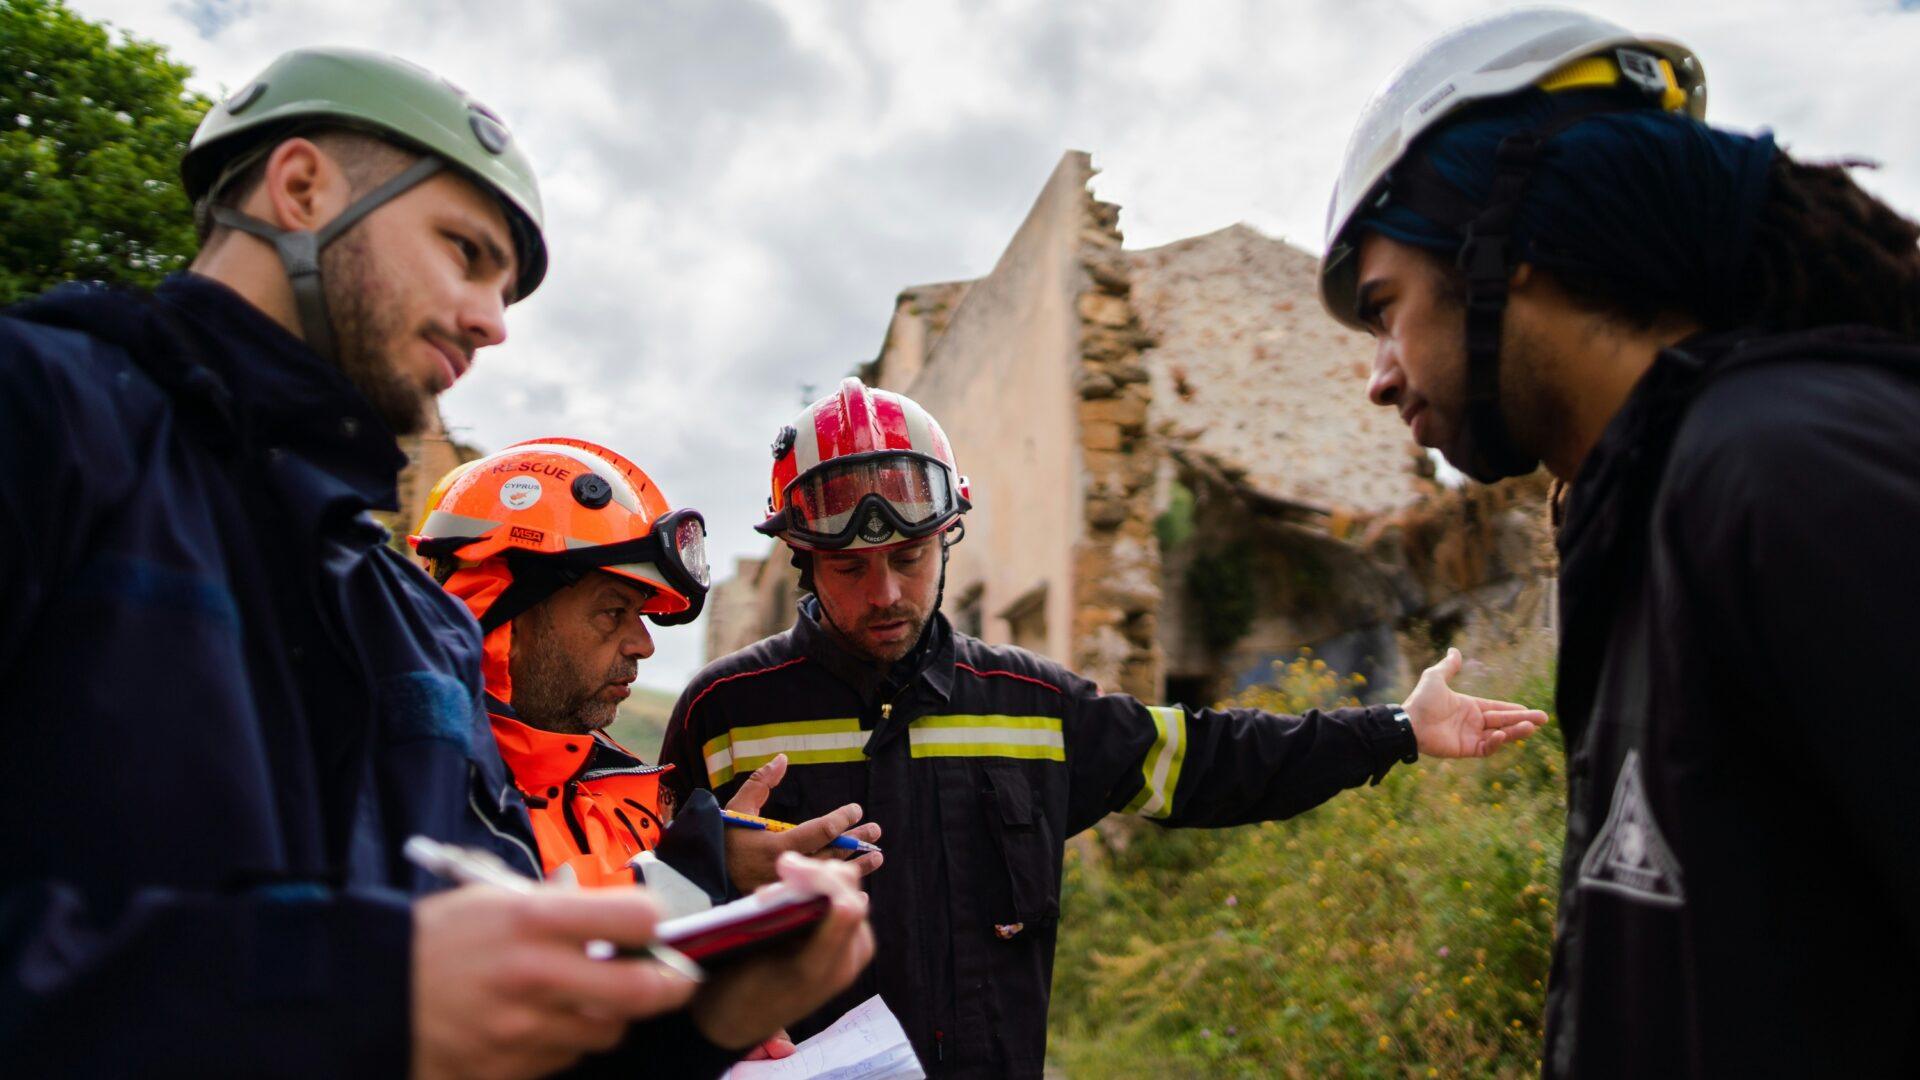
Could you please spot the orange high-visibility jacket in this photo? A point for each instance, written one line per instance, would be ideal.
(594, 804)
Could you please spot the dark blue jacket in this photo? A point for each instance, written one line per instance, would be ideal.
(225, 701)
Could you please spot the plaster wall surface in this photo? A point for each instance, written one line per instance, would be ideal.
(1000, 381)
(734, 608)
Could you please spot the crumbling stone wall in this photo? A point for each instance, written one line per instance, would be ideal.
(431, 454)
(1117, 591)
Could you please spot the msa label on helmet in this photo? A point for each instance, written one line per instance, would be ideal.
(531, 536)
(875, 528)
(520, 492)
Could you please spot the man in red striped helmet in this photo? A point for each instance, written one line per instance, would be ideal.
(874, 472)
(979, 761)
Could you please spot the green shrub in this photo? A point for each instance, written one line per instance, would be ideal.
(1400, 930)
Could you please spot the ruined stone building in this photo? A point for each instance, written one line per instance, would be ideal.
(1177, 478)
(430, 455)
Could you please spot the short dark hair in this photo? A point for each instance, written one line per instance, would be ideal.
(367, 160)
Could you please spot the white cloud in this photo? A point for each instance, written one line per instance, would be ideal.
(737, 188)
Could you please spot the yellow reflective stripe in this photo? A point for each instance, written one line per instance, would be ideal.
(1030, 738)
(1161, 768)
(1005, 750)
(805, 742)
(1029, 723)
(718, 752)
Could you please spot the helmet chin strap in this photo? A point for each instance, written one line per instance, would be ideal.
(299, 249)
(945, 543)
(1486, 259)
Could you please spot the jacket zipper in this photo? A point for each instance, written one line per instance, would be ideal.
(573, 823)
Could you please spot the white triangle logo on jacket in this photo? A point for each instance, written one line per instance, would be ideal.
(1630, 856)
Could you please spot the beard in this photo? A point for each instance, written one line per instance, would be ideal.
(553, 691)
(859, 638)
(365, 332)
(1533, 408)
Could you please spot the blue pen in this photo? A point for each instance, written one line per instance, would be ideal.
(749, 821)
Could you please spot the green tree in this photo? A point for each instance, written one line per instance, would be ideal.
(91, 135)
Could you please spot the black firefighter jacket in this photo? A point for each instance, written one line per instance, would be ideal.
(979, 762)
(1740, 569)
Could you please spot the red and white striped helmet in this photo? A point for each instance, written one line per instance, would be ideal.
(863, 468)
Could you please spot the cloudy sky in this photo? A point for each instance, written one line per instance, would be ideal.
(737, 189)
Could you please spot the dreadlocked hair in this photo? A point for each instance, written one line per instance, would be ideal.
(1825, 252)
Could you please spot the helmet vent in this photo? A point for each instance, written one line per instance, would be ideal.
(492, 133)
(244, 100)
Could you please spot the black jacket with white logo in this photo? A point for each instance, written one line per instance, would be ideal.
(1741, 562)
(979, 762)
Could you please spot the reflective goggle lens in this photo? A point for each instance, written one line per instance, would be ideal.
(690, 542)
(918, 491)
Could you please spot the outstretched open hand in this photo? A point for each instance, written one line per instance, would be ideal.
(1451, 724)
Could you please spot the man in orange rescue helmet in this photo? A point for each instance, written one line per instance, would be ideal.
(573, 547)
(559, 547)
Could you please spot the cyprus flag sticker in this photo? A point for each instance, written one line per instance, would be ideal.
(1630, 857)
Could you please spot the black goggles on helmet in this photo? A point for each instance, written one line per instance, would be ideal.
(674, 551)
(873, 498)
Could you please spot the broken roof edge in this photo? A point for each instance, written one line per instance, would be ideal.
(1073, 163)
(1237, 229)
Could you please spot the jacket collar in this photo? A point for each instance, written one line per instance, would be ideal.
(541, 760)
(931, 661)
(1614, 488)
(1603, 540)
(293, 399)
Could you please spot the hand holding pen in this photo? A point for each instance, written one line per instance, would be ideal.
(752, 849)
(842, 842)
(503, 980)
(468, 866)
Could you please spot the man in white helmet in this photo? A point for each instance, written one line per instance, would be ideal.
(1711, 345)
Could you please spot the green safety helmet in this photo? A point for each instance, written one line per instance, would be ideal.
(384, 96)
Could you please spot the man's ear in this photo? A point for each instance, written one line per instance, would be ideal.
(304, 187)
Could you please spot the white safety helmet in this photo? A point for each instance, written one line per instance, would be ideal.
(1554, 48)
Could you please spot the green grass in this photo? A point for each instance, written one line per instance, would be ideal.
(1400, 930)
(641, 721)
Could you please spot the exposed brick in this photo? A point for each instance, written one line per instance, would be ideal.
(1097, 384)
(1108, 268)
(1104, 309)
(1128, 410)
(1100, 435)
(1106, 513)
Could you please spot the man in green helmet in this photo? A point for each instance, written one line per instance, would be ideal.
(227, 703)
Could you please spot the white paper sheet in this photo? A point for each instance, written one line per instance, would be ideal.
(865, 1044)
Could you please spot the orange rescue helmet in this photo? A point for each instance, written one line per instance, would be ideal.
(556, 509)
